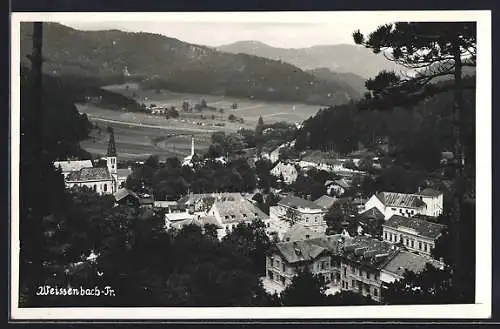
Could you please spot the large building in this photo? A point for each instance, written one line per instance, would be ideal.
(414, 233)
(428, 202)
(360, 264)
(285, 171)
(229, 213)
(293, 210)
(103, 180)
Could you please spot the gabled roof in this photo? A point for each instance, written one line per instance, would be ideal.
(372, 213)
(299, 251)
(401, 200)
(300, 232)
(73, 165)
(238, 211)
(123, 193)
(294, 201)
(89, 174)
(343, 183)
(325, 201)
(430, 192)
(368, 251)
(405, 260)
(422, 227)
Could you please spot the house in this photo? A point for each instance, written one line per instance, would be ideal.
(300, 232)
(415, 234)
(371, 221)
(202, 202)
(229, 213)
(287, 171)
(178, 220)
(286, 259)
(325, 201)
(126, 197)
(103, 180)
(359, 264)
(170, 206)
(427, 202)
(362, 260)
(337, 187)
(433, 200)
(292, 210)
(390, 203)
(404, 261)
(72, 165)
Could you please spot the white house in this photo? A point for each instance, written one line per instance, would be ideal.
(428, 202)
(285, 170)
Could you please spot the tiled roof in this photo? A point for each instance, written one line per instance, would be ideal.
(122, 193)
(325, 201)
(401, 200)
(405, 260)
(73, 165)
(422, 227)
(294, 201)
(430, 192)
(89, 174)
(300, 232)
(368, 251)
(202, 221)
(238, 211)
(310, 249)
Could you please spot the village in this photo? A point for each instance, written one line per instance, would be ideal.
(377, 240)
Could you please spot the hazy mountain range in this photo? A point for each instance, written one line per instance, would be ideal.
(157, 61)
(337, 58)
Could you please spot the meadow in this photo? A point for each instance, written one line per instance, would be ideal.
(139, 135)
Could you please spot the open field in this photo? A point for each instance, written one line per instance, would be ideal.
(249, 110)
(138, 136)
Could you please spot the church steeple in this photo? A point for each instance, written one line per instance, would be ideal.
(111, 144)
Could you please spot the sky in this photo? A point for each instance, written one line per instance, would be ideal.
(278, 34)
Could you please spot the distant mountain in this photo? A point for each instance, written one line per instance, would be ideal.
(354, 80)
(338, 58)
(157, 61)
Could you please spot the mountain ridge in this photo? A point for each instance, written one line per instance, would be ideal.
(158, 61)
(340, 58)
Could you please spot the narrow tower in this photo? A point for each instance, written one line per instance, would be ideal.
(192, 145)
(111, 159)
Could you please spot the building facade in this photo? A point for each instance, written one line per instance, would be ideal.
(415, 234)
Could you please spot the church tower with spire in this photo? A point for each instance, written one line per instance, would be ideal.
(111, 159)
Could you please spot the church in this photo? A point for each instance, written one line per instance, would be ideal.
(103, 180)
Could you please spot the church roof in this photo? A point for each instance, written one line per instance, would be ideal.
(73, 165)
(111, 145)
(89, 174)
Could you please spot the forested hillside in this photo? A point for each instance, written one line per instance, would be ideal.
(420, 131)
(161, 62)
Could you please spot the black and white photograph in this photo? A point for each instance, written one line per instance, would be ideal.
(251, 165)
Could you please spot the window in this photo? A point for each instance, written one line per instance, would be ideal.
(412, 243)
(400, 237)
(227, 217)
(420, 245)
(105, 187)
(270, 275)
(425, 246)
(367, 275)
(401, 211)
(345, 271)
(347, 285)
(385, 235)
(375, 292)
(95, 187)
(393, 209)
(282, 279)
(284, 267)
(353, 270)
(353, 283)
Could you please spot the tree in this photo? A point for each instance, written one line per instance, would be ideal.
(292, 216)
(431, 286)
(435, 50)
(306, 289)
(172, 113)
(259, 134)
(231, 117)
(185, 106)
(203, 104)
